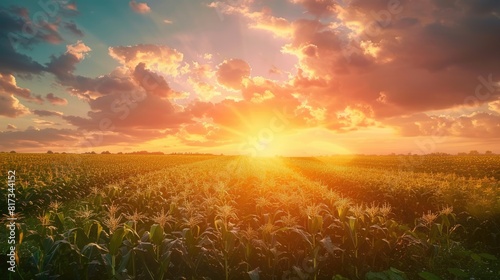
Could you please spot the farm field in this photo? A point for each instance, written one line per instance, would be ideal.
(232, 217)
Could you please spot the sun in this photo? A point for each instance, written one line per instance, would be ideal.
(262, 142)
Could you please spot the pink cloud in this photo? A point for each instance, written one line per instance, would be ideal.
(72, 7)
(231, 73)
(139, 7)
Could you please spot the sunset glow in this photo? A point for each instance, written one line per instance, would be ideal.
(265, 78)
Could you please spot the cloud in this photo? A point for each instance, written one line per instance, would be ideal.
(41, 138)
(494, 106)
(395, 60)
(139, 7)
(155, 57)
(318, 7)
(63, 66)
(263, 20)
(360, 64)
(133, 100)
(44, 122)
(231, 73)
(203, 90)
(201, 71)
(72, 7)
(201, 133)
(22, 31)
(47, 113)
(79, 49)
(202, 81)
(12, 21)
(8, 84)
(73, 28)
(475, 125)
(141, 65)
(10, 106)
(54, 100)
(275, 70)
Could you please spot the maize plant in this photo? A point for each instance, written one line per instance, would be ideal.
(232, 217)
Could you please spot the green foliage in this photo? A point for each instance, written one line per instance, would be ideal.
(428, 276)
(242, 218)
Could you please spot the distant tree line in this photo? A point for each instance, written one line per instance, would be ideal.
(471, 153)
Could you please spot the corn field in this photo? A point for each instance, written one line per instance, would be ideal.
(228, 217)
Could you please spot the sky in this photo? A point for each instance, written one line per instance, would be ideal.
(278, 77)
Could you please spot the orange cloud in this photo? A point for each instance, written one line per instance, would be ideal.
(8, 85)
(158, 58)
(78, 50)
(10, 106)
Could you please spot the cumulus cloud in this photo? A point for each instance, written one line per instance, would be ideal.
(231, 73)
(15, 21)
(8, 84)
(10, 106)
(380, 56)
(63, 66)
(134, 100)
(155, 57)
(139, 7)
(374, 60)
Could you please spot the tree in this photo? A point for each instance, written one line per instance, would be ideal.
(488, 153)
(474, 152)
(50, 152)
